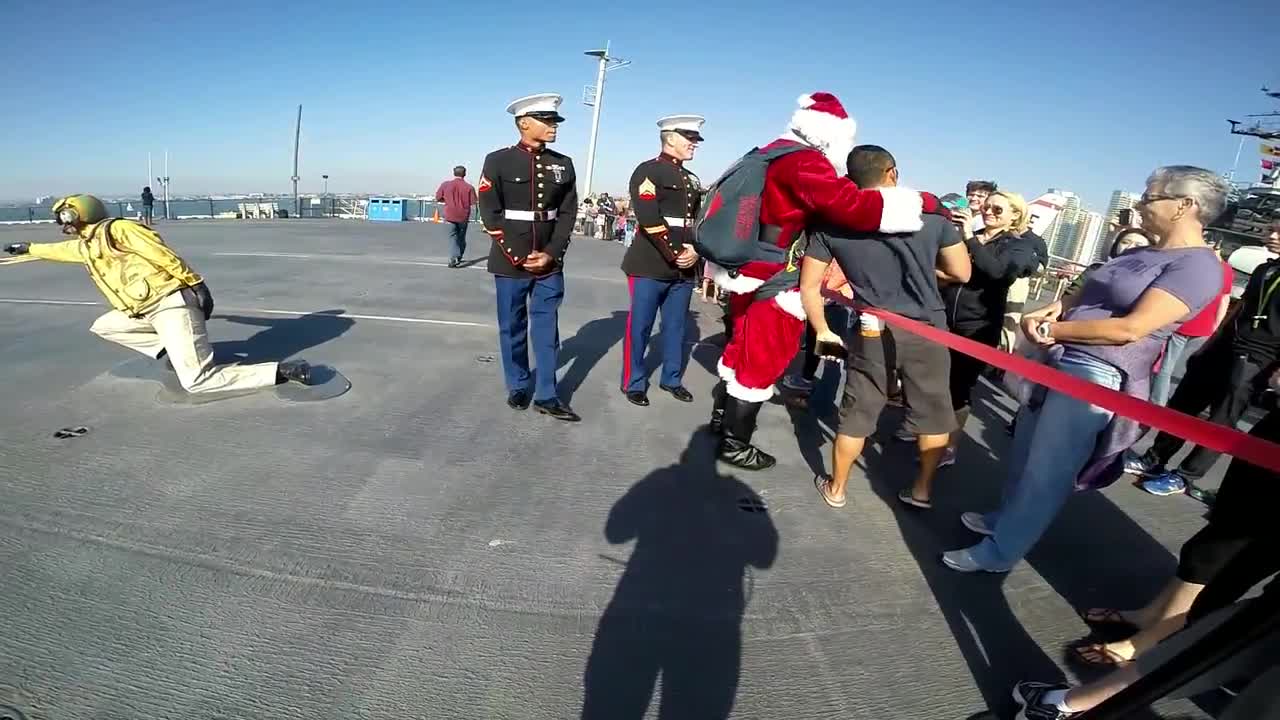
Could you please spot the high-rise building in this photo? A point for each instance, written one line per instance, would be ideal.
(1090, 238)
(1063, 235)
(1120, 200)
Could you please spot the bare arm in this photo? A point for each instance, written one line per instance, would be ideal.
(954, 265)
(1155, 309)
(812, 271)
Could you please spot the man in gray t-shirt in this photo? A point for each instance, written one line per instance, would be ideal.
(898, 273)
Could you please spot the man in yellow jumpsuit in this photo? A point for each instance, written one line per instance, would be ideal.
(160, 304)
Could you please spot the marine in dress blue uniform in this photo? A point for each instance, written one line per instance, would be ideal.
(660, 262)
(528, 202)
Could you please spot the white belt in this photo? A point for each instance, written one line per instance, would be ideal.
(530, 215)
(676, 222)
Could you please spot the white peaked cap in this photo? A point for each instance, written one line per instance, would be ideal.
(531, 104)
(689, 123)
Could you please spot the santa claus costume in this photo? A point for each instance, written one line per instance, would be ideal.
(802, 188)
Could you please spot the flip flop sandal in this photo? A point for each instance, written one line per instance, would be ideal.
(1109, 618)
(1096, 655)
(906, 498)
(71, 432)
(820, 483)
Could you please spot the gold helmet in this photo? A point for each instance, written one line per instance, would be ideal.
(76, 210)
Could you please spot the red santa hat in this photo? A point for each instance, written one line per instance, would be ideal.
(821, 121)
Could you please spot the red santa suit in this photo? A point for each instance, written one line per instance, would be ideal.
(801, 188)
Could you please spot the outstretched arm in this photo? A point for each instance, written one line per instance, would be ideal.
(838, 200)
(65, 251)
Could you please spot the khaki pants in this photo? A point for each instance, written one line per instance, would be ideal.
(178, 328)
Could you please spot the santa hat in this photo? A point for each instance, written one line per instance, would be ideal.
(822, 122)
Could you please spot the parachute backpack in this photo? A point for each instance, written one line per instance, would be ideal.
(727, 229)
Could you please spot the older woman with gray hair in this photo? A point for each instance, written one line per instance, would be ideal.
(1110, 333)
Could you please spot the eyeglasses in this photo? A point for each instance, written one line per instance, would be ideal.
(1148, 199)
(995, 210)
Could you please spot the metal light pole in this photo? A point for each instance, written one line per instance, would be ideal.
(607, 63)
(325, 194)
(164, 181)
(297, 133)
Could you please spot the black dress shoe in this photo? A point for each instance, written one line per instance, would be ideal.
(635, 397)
(298, 371)
(557, 410)
(678, 392)
(518, 400)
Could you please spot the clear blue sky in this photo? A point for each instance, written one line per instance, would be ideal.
(1034, 95)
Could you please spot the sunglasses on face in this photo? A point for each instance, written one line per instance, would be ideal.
(995, 210)
(1148, 199)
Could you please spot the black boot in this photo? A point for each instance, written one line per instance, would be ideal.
(298, 371)
(718, 393)
(735, 446)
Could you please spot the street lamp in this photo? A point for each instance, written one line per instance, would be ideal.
(595, 100)
(325, 194)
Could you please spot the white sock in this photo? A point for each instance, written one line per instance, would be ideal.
(1058, 699)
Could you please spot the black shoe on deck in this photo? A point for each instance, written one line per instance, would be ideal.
(298, 371)
(518, 400)
(635, 397)
(744, 455)
(678, 392)
(557, 410)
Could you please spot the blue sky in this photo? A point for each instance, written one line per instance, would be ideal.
(1035, 95)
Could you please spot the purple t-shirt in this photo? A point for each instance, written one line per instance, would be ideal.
(1193, 275)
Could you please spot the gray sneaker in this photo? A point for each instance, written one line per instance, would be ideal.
(1135, 464)
(1031, 705)
(976, 522)
(797, 384)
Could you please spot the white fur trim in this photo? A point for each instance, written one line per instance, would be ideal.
(739, 285)
(790, 302)
(832, 135)
(902, 208)
(739, 391)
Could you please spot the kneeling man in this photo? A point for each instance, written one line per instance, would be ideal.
(160, 303)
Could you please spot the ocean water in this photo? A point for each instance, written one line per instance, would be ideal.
(193, 208)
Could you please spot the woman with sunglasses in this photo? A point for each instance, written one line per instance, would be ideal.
(1110, 334)
(1002, 251)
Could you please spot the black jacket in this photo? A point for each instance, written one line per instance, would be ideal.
(533, 183)
(666, 198)
(980, 303)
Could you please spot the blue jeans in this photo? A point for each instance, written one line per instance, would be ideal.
(1051, 446)
(1162, 383)
(647, 296)
(524, 305)
(457, 240)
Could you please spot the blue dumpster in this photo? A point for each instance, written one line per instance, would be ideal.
(383, 209)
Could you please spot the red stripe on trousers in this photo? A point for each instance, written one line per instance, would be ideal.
(626, 341)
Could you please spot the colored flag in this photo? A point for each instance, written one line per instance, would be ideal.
(1268, 165)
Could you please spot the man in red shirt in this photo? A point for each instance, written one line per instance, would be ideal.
(458, 197)
(1192, 332)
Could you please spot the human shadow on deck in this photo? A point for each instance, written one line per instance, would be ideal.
(282, 337)
(677, 611)
(1093, 554)
(587, 348)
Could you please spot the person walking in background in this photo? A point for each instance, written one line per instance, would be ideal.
(1191, 336)
(148, 206)
(458, 197)
(660, 268)
(528, 202)
(608, 211)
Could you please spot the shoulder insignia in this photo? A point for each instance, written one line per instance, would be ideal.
(484, 184)
(647, 191)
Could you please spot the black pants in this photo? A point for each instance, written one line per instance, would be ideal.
(1218, 381)
(965, 369)
(1241, 544)
(838, 320)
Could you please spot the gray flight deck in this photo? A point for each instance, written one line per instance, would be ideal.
(416, 549)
